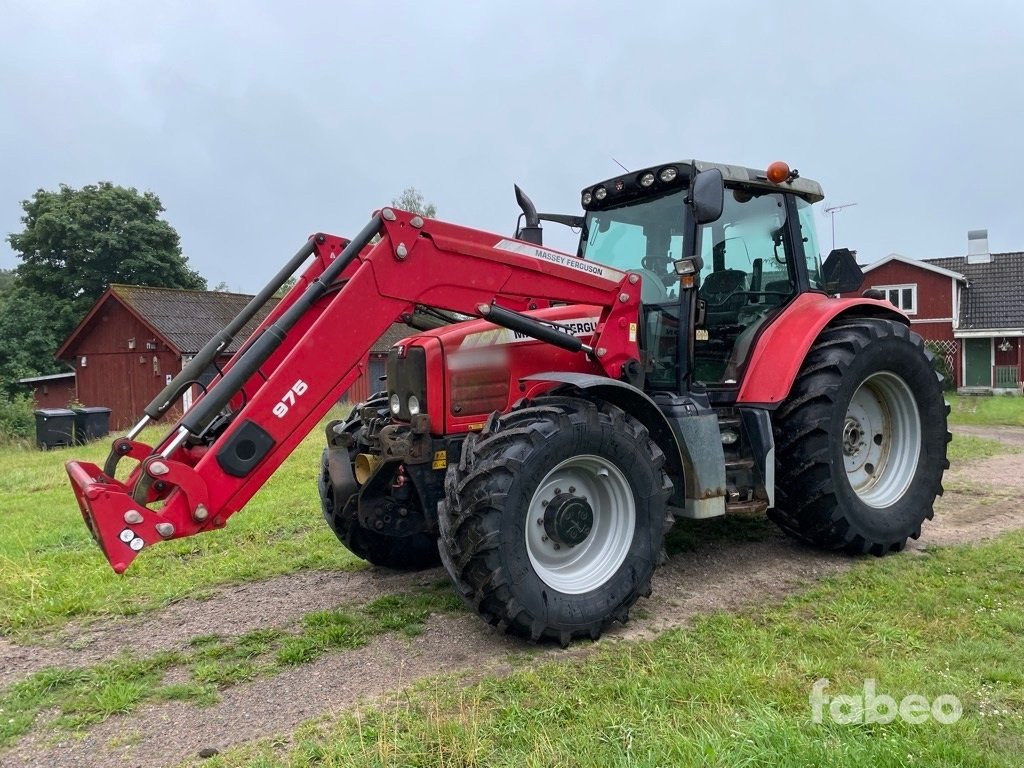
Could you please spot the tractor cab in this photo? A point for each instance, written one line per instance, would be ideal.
(747, 258)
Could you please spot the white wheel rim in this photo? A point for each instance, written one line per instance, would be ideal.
(587, 565)
(881, 439)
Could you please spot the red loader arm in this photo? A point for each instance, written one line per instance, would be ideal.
(312, 348)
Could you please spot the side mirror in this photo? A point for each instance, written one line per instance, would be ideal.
(841, 273)
(707, 196)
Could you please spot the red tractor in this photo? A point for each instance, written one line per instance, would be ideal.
(554, 413)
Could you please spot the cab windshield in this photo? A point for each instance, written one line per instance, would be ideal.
(643, 237)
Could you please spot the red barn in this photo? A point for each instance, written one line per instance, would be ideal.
(971, 307)
(134, 339)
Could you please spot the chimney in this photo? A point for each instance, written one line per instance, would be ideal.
(977, 247)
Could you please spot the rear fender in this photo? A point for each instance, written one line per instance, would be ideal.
(781, 348)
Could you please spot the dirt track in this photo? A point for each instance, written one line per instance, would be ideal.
(719, 575)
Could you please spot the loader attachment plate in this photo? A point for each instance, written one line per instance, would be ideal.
(120, 526)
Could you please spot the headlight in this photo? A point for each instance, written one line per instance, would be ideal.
(647, 179)
(668, 174)
(414, 405)
(587, 198)
(600, 193)
(396, 404)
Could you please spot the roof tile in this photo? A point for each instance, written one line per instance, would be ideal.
(994, 294)
(189, 319)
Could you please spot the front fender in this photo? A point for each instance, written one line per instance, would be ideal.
(691, 442)
(781, 348)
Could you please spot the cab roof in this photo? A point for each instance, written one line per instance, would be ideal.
(629, 186)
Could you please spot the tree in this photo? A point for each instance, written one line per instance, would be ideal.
(6, 279)
(412, 200)
(74, 244)
(281, 292)
(28, 338)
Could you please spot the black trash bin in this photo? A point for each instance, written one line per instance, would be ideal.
(91, 423)
(54, 427)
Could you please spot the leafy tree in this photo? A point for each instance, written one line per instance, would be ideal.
(74, 244)
(6, 279)
(412, 200)
(28, 337)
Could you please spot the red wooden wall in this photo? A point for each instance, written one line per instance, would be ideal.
(933, 318)
(122, 379)
(54, 394)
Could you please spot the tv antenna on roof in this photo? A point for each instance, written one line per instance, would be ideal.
(832, 212)
(620, 165)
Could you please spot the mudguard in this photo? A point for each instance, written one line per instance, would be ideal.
(691, 442)
(780, 350)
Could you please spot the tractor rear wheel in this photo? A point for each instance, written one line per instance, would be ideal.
(407, 553)
(861, 441)
(555, 517)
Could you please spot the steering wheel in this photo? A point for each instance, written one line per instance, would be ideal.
(652, 289)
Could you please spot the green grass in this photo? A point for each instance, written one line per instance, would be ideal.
(996, 410)
(734, 690)
(84, 696)
(51, 571)
(969, 447)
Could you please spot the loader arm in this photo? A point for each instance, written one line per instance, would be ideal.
(311, 349)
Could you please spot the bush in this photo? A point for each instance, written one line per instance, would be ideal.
(17, 421)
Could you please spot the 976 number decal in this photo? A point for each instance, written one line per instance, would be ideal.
(298, 389)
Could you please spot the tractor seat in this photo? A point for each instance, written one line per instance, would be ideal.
(724, 293)
(773, 291)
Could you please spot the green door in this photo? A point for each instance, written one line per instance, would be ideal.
(978, 358)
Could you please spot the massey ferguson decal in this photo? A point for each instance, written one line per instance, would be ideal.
(577, 326)
(564, 259)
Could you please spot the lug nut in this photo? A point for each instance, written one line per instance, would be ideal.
(201, 513)
(572, 489)
(165, 529)
(557, 545)
(540, 521)
(557, 491)
(133, 517)
(543, 538)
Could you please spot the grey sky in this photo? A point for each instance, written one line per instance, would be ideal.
(258, 123)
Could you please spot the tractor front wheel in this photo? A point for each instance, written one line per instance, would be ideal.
(555, 517)
(861, 441)
(408, 553)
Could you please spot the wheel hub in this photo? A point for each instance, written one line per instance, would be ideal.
(881, 439)
(568, 519)
(853, 436)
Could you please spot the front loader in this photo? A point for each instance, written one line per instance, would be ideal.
(555, 413)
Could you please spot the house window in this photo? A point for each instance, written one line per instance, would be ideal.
(901, 296)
